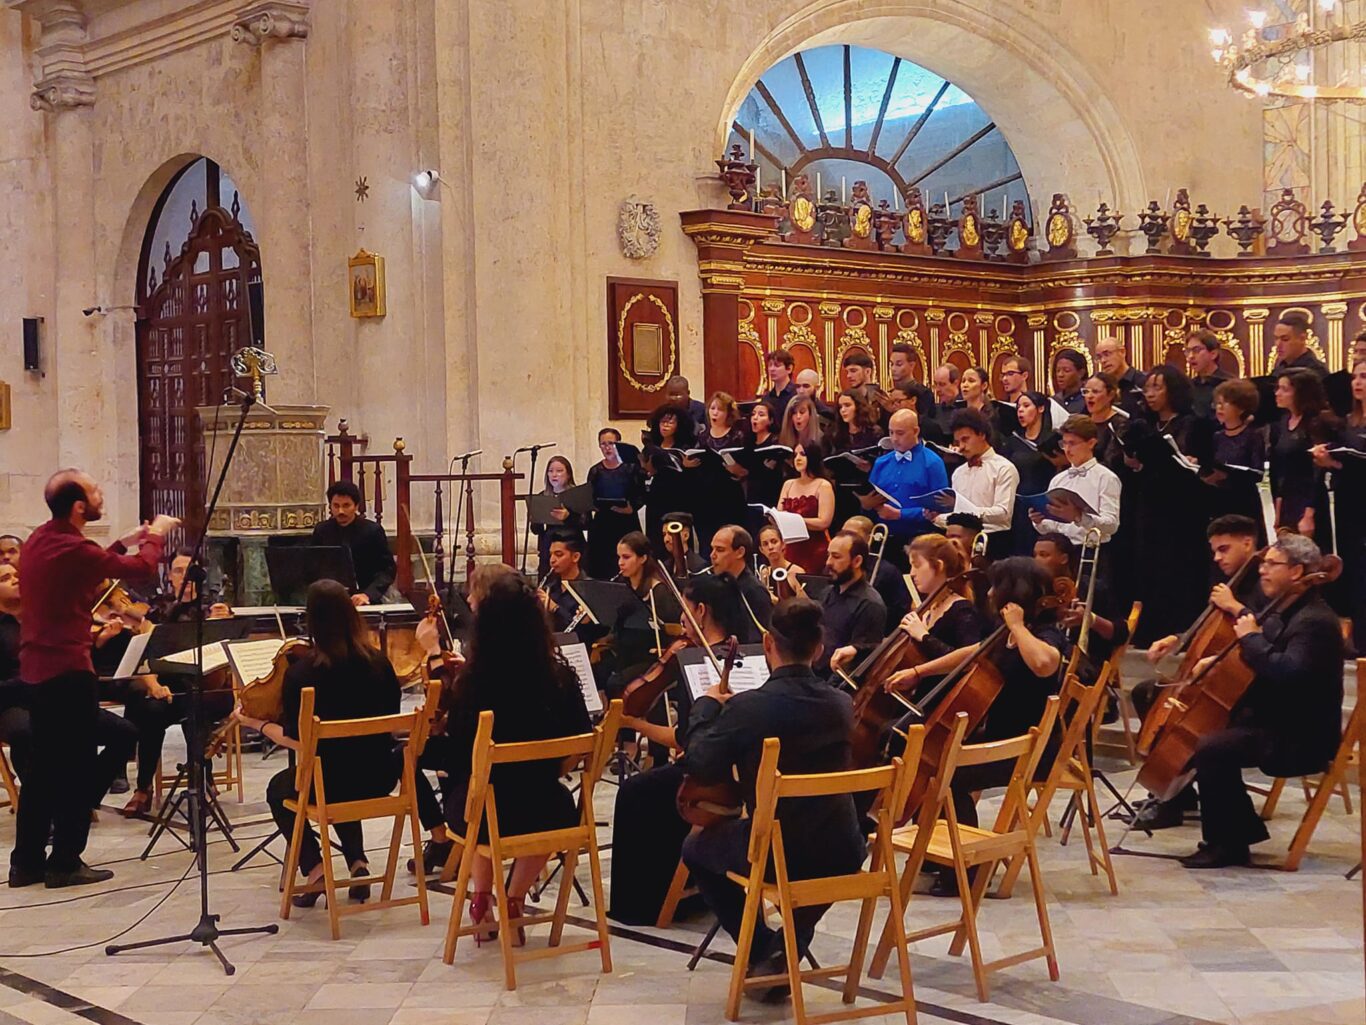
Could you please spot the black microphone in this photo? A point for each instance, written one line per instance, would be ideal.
(535, 448)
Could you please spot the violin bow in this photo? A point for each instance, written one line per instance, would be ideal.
(427, 572)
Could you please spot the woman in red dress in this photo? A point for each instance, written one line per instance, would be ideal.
(812, 497)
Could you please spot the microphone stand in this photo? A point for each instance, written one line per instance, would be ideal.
(466, 495)
(530, 483)
(206, 933)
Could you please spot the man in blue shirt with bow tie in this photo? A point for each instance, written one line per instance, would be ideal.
(909, 471)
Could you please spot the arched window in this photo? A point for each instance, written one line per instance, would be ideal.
(847, 113)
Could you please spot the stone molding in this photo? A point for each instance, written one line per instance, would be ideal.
(73, 56)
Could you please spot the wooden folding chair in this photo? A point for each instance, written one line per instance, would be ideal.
(946, 842)
(593, 750)
(1320, 790)
(678, 892)
(318, 810)
(892, 784)
(7, 780)
(1127, 712)
(1071, 772)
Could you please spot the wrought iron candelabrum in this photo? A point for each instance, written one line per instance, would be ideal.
(993, 234)
(941, 225)
(1153, 223)
(1245, 229)
(1203, 227)
(1103, 227)
(739, 176)
(1326, 226)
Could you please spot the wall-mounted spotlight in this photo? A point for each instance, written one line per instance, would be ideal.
(427, 183)
(92, 311)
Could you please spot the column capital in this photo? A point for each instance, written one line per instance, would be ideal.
(271, 19)
(65, 91)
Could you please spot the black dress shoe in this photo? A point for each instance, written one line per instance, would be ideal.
(773, 963)
(24, 877)
(82, 875)
(1159, 815)
(359, 893)
(1217, 856)
(306, 900)
(119, 785)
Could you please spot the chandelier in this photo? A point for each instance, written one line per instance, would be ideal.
(1311, 58)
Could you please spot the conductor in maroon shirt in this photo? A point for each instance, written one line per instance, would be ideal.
(63, 571)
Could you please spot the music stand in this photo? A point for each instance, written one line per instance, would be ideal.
(293, 569)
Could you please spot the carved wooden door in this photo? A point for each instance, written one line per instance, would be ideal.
(204, 306)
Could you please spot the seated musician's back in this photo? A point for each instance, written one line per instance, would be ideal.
(813, 721)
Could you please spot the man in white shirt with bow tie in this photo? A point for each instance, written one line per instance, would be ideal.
(985, 485)
(1085, 476)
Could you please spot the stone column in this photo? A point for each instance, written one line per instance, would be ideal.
(276, 30)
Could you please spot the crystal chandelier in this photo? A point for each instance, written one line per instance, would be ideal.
(1315, 57)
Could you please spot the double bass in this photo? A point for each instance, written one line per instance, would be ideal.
(1208, 700)
(1211, 633)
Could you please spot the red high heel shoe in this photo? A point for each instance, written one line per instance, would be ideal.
(481, 914)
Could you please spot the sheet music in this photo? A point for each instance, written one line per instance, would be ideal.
(214, 656)
(132, 655)
(255, 611)
(577, 656)
(253, 660)
(750, 673)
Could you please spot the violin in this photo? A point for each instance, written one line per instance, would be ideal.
(644, 690)
(1208, 700)
(1211, 633)
(709, 804)
(264, 697)
(116, 604)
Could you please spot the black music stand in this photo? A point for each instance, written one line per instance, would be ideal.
(206, 931)
(293, 568)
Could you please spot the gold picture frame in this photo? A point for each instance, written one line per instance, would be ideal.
(6, 410)
(365, 282)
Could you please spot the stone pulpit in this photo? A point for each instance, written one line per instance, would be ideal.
(275, 486)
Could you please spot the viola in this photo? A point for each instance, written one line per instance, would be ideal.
(1209, 699)
(709, 804)
(644, 690)
(1211, 633)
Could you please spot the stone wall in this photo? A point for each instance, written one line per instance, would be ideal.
(541, 118)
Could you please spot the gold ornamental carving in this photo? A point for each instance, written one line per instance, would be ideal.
(968, 232)
(772, 305)
(829, 309)
(1002, 346)
(803, 213)
(799, 334)
(1071, 340)
(915, 225)
(1037, 320)
(854, 336)
(933, 316)
(1018, 237)
(908, 337)
(1334, 311)
(1059, 230)
(884, 312)
(1181, 224)
(1256, 316)
(669, 364)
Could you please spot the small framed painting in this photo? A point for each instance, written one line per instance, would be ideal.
(366, 279)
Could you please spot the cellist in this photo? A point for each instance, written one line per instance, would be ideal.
(1289, 723)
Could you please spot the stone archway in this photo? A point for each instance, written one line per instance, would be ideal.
(1065, 133)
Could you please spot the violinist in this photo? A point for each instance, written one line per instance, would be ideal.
(642, 628)
(647, 831)
(369, 545)
(774, 550)
(1030, 664)
(63, 572)
(732, 548)
(1289, 723)
(886, 578)
(963, 529)
(680, 550)
(950, 621)
(153, 705)
(351, 680)
(565, 557)
(1233, 544)
(726, 734)
(1109, 628)
(515, 672)
(855, 618)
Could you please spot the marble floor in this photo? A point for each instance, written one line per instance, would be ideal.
(1252, 947)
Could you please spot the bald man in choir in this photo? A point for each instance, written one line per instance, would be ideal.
(366, 539)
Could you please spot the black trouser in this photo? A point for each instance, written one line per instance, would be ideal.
(435, 755)
(64, 711)
(16, 730)
(152, 717)
(647, 840)
(117, 738)
(711, 853)
(1227, 817)
(349, 834)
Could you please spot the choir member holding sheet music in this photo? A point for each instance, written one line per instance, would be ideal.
(1238, 455)
(722, 496)
(618, 494)
(1301, 499)
(763, 462)
(853, 441)
(1095, 485)
(903, 479)
(1345, 459)
(801, 423)
(669, 434)
(1027, 451)
(1171, 506)
(556, 499)
(986, 483)
(811, 496)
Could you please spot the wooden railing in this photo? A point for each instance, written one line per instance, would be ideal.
(372, 474)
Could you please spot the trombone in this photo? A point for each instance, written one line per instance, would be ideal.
(1088, 563)
(879, 539)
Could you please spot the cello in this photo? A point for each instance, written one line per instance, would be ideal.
(709, 804)
(1211, 633)
(1208, 700)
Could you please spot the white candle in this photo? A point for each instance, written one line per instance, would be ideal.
(818, 187)
(1005, 204)
(751, 145)
(843, 194)
(946, 202)
(1167, 202)
(896, 199)
(758, 177)
(784, 183)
